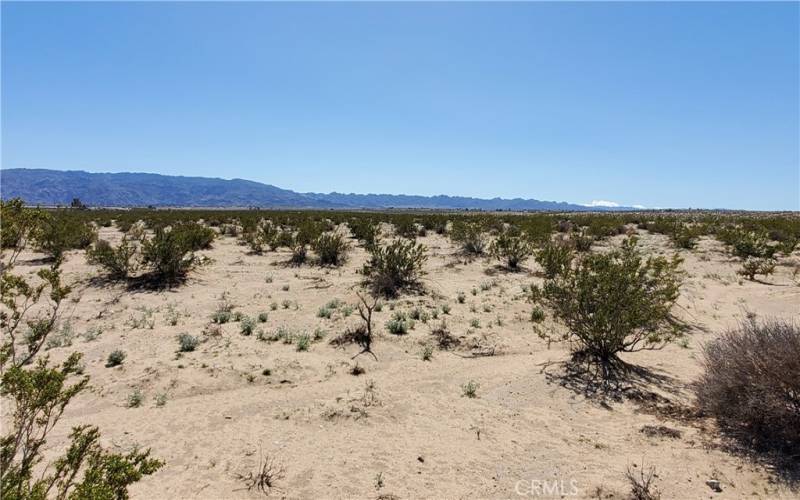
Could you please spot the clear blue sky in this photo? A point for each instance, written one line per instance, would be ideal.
(663, 105)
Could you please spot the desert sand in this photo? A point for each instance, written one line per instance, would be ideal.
(403, 428)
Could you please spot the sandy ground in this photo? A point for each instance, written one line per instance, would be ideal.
(403, 428)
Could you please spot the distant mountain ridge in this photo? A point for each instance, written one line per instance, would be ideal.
(129, 189)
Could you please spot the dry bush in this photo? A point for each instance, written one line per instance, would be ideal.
(444, 339)
(641, 481)
(751, 385)
(265, 477)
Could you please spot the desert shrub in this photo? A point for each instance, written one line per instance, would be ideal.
(537, 315)
(263, 234)
(299, 251)
(58, 232)
(247, 326)
(581, 242)
(86, 470)
(470, 389)
(331, 249)
(135, 399)
(19, 226)
(365, 231)
(263, 317)
(746, 244)
(118, 262)
(469, 237)
(115, 358)
(510, 249)
(555, 258)
(427, 353)
(405, 227)
(167, 255)
(399, 324)
(302, 342)
(751, 385)
(394, 267)
(752, 266)
(616, 302)
(187, 343)
(684, 237)
(195, 236)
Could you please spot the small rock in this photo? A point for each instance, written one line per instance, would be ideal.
(714, 485)
(420, 459)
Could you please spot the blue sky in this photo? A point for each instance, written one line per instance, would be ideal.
(660, 104)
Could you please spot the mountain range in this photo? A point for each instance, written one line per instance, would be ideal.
(129, 189)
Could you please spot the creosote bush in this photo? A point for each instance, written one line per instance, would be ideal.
(35, 395)
(394, 267)
(616, 302)
(555, 258)
(751, 385)
(468, 236)
(510, 249)
(118, 262)
(331, 249)
(753, 266)
(168, 255)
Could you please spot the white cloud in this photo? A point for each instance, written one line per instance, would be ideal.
(639, 206)
(602, 203)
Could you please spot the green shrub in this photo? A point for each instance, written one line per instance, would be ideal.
(60, 231)
(555, 258)
(331, 249)
(302, 342)
(247, 326)
(616, 301)
(537, 315)
(187, 343)
(264, 234)
(510, 249)
(115, 358)
(117, 262)
(195, 236)
(755, 265)
(395, 267)
(299, 251)
(167, 255)
(746, 244)
(470, 389)
(263, 317)
(135, 399)
(400, 324)
(365, 231)
(581, 242)
(469, 237)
